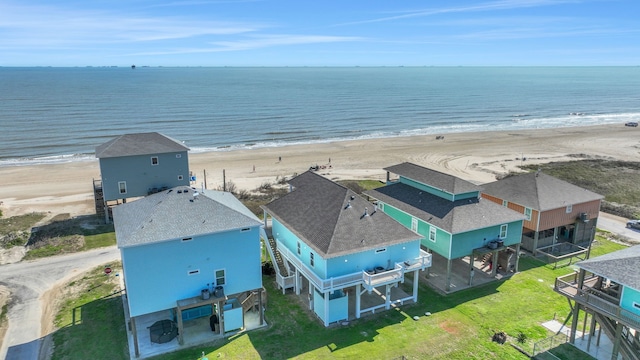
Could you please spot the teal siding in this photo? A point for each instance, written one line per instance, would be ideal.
(629, 299)
(438, 192)
(140, 175)
(464, 243)
(290, 240)
(157, 276)
(338, 306)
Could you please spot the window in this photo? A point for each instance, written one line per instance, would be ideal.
(503, 231)
(414, 224)
(220, 277)
(193, 272)
(505, 203)
(187, 239)
(154, 160)
(432, 233)
(299, 249)
(569, 208)
(178, 156)
(527, 213)
(180, 177)
(122, 187)
(245, 229)
(311, 259)
(636, 305)
(378, 251)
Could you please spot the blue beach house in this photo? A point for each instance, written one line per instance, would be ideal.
(345, 257)
(607, 289)
(465, 233)
(134, 165)
(187, 254)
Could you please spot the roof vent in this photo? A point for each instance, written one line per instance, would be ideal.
(348, 205)
(353, 197)
(366, 212)
(179, 191)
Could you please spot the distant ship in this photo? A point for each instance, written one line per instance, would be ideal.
(133, 66)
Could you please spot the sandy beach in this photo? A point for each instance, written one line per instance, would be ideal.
(477, 157)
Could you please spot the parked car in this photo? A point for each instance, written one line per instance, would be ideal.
(634, 224)
(631, 123)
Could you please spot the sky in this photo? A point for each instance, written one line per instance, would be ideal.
(319, 33)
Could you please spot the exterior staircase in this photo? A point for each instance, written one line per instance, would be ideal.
(630, 350)
(276, 259)
(98, 195)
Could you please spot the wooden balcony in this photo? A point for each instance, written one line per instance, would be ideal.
(595, 299)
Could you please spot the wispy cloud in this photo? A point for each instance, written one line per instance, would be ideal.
(256, 42)
(488, 6)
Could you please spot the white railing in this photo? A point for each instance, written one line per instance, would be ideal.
(362, 277)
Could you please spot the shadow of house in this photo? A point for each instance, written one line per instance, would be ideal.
(67, 234)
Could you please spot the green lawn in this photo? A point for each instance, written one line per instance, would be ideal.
(460, 327)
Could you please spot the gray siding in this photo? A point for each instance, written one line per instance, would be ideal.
(141, 176)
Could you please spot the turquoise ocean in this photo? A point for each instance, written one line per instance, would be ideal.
(51, 115)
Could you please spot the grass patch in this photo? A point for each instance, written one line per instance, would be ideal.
(66, 235)
(616, 180)
(15, 231)
(91, 319)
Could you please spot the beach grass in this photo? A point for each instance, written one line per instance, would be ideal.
(460, 326)
(15, 230)
(90, 323)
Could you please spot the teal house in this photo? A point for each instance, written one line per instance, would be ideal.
(607, 290)
(134, 165)
(455, 223)
(345, 256)
(187, 255)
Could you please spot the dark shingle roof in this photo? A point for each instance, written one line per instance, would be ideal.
(139, 144)
(329, 218)
(539, 191)
(436, 179)
(452, 216)
(178, 213)
(619, 266)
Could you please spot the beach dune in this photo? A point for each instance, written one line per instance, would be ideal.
(477, 157)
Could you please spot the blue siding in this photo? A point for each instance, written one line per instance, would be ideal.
(290, 240)
(338, 306)
(628, 298)
(346, 264)
(140, 175)
(368, 260)
(157, 276)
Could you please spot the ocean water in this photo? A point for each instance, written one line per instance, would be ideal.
(61, 114)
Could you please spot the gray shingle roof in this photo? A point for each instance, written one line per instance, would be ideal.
(620, 266)
(139, 144)
(453, 216)
(541, 192)
(329, 218)
(177, 213)
(436, 179)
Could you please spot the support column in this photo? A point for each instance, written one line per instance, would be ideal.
(574, 322)
(494, 264)
(358, 295)
(536, 235)
(517, 257)
(180, 327)
(260, 307)
(326, 309)
(592, 331)
(135, 337)
(555, 235)
(220, 307)
(416, 279)
(616, 342)
(387, 296)
(311, 291)
(297, 275)
(471, 271)
(447, 286)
